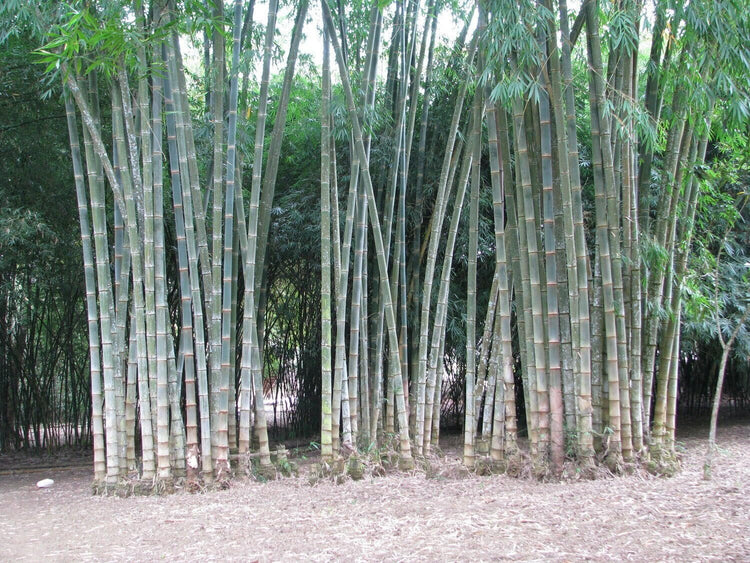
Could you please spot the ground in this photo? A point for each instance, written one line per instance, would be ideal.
(397, 517)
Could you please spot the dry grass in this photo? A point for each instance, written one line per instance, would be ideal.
(450, 516)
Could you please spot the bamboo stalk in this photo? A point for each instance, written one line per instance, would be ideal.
(326, 440)
(97, 415)
(405, 447)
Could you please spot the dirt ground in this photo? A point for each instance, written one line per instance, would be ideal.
(397, 517)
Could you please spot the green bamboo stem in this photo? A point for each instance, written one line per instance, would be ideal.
(186, 317)
(528, 237)
(600, 413)
(431, 260)
(214, 293)
(557, 435)
(341, 296)
(415, 261)
(613, 227)
(401, 239)
(600, 142)
(130, 399)
(165, 400)
(441, 312)
(471, 289)
(580, 314)
(183, 196)
(655, 275)
(98, 217)
(326, 440)
(354, 313)
(192, 189)
(136, 254)
(394, 364)
(274, 147)
(485, 382)
(504, 425)
(227, 280)
(97, 417)
(251, 361)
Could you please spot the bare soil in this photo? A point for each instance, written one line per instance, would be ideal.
(449, 516)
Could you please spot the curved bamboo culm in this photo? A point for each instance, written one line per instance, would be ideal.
(666, 379)
(698, 155)
(435, 363)
(654, 287)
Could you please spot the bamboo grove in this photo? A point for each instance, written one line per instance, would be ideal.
(558, 169)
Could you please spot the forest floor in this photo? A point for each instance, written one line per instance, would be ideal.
(447, 517)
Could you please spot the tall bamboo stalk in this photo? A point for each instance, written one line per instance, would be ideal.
(97, 418)
(600, 143)
(394, 364)
(471, 289)
(503, 438)
(251, 361)
(431, 260)
(581, 278)
(182, 194)
(528, 237)
(326, 441)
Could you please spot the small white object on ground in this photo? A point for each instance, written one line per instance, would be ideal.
(45, 483)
